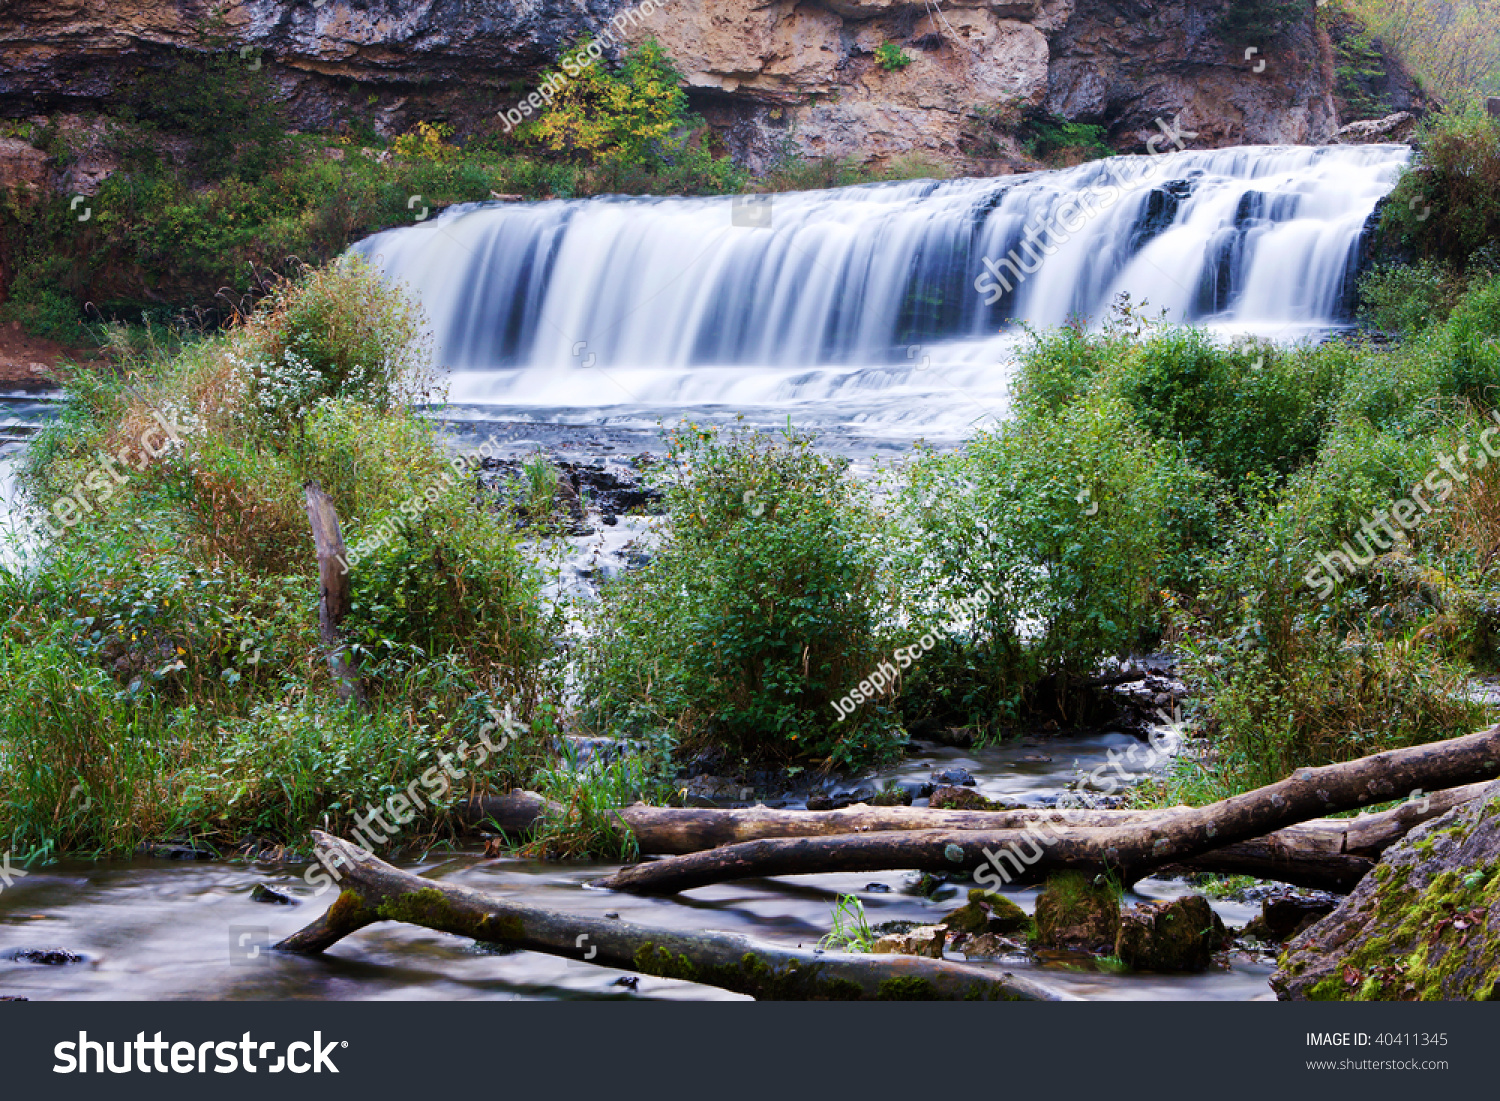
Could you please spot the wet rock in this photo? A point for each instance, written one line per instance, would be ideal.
(953, 775)
(630, 982)
(1282, 918)
(172, 851)
(955, 798)
(878, 888)
(828, 802)
(1075, 912)
(50, 957)
(1423, 925)
(988, 912)
(1180, 934)
(923, 884)
(924, 940)
(988, 946)
(271, 896)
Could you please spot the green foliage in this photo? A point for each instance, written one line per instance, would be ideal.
(332, 333)
(1446, 206)
(1054, 139)
(892, 57)
(1066, 519)
(632, 123)
(1406, 298)
(223, 103)
(1358, 63)
(178, 619)
(763, 604)
(851, 929)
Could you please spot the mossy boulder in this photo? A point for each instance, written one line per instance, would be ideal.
(988, 912)
(1423, 925)
(1073, 911)
(892, 797)
(1180, 934)
(953, 797)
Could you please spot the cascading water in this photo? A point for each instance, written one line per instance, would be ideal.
(888, 299)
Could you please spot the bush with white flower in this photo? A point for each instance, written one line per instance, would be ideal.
(333, 333)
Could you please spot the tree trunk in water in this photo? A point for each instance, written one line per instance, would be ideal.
(1130, 850)
(374, 891)
(333, 580)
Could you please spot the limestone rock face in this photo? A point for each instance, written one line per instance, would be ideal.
(1424, 925)
(1393, 128)
(22, 166)
(770, 75)
(1126, 64)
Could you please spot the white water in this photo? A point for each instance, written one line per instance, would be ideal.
(860, 305)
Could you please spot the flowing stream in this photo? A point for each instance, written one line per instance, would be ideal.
(155, 929)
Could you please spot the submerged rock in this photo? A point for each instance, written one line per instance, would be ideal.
(924, 940)
(986, 946)
(271, 895)
(1424, 925)
(1073, 912)
(952, 776)
(1180, 934)
(50, 957)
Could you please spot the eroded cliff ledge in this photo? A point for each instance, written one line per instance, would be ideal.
(768, 74)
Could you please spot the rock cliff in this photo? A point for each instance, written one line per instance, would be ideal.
(768, 74)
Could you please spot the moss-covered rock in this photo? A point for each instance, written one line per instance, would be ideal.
(1180, 934)
(953, 797)
(988, 912)
(1073, 911)
(1424, 925)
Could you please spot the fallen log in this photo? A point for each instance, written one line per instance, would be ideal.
(373, 891)
(1329, 854)
(1130, 850)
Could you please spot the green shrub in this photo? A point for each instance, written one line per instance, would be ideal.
(333, 332)
(763, 605)
(1056, 139)
(892, 57)
(1068, 520)
(1446, 206)
(1408, 298)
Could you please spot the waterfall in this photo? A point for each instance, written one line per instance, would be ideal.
(652, 291)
